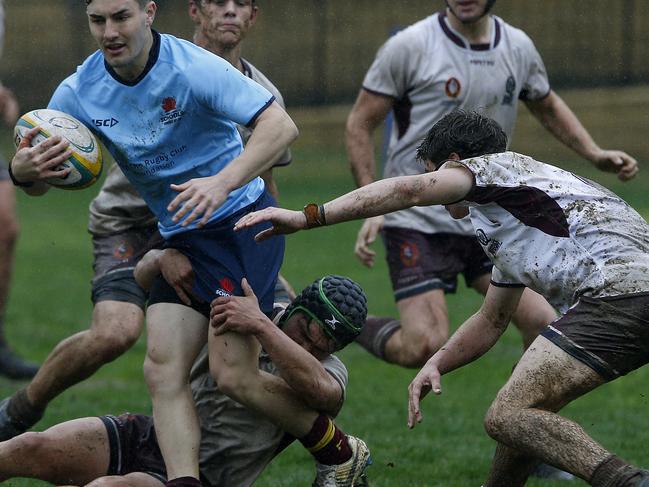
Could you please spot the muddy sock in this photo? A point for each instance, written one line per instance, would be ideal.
(22, 412)
(615, 472)
(326, 442)
(376, 333)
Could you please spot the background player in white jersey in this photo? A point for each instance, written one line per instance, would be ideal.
(11, 365)
(458, 58)
(574, 242)
(122, 229)
(236, 443)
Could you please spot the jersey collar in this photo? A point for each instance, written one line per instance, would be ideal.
(458, 39)
(153, 57)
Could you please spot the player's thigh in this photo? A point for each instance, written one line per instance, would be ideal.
(546, 377)
(232, 353)
(115, 321)
(423, 312)
(175, 334)
(80, 448)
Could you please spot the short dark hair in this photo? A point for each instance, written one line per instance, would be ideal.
(467, 133)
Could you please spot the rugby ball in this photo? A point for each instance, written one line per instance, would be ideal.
(86, 160)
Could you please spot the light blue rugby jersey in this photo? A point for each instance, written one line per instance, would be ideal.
(174, 123)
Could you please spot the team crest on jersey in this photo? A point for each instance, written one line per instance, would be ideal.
(171, 111)
(123, 251)
(453, 88)
(491, 245)
(510, 88)
(409, 254)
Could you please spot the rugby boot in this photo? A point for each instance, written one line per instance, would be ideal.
(346, 474)
(14, 367)
(8, 427)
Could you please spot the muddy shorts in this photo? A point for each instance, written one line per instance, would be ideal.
(133, 446)
(115, 258)
(420, 262)
(610, 335)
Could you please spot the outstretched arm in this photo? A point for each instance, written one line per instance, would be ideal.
(560, 120)
(471, 340)
(436, 188)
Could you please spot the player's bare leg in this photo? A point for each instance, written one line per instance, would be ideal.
(424, 329)
(70, 453)
(523, 416)
(11, 365)
(175, 336)
(116, 326)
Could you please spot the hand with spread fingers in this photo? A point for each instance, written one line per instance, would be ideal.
(284, 222)
(197, 199)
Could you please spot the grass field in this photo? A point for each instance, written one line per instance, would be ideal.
(50, 301)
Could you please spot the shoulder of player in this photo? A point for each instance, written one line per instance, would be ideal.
(185, 56)
(414, 36)
(256, 75)
(91, 70)
(515, 36)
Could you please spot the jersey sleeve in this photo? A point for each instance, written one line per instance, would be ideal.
(536, 84)
(391, 70)
(334, 366)
(65, 100)
(501, 279)
(224, 89)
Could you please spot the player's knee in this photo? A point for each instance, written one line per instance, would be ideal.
(497, 418)
(164, 377)
(29, 445)
(107, 344)
(421, 350)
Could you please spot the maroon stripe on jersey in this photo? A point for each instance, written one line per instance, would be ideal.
(402, 109)
(530, 206)
(498, 33)
(449, 33)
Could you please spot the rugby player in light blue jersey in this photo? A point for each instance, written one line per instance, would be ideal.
(172, 109)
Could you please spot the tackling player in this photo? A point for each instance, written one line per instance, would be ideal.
(236, 443)
(577, 244)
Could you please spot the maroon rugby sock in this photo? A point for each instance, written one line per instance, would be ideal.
(326, 442)
(184, 482)
(375, 334)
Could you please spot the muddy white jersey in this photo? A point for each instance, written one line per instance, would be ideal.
(119, 207)
(554, 232)
(429, 69)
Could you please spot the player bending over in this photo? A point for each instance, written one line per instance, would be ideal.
(579, 245)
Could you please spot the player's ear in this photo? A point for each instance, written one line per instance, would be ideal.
(253, 14)
(150, 10)
(454, 156)
(192, 10)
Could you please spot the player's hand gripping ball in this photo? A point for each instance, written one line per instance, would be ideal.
(85, 163)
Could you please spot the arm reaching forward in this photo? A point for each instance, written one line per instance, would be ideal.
(471, 340)
(436, 188)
